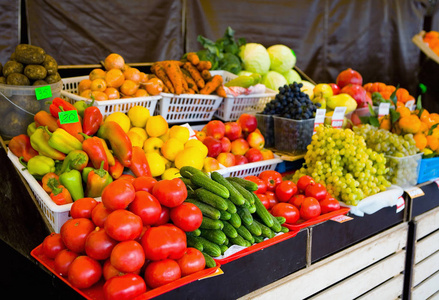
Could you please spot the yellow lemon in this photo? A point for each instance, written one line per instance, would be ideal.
(140, 131)
(164, 137)
(120, 118)
(179, 132)
(171, 148)
(198, 144)
(156, 126)
(191, 156)
(156, 163)
(136, 140)
(152, 144)
(171, 173)
(138, 115)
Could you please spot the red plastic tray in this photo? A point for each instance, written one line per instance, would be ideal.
(96, 291)
(303, 224)
(257, 247)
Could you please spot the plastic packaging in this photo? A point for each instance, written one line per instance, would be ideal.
(292, 136)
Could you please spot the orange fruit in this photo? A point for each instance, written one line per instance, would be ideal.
(98, 84)
(424, 127)
(403, 111)
(129, 88)
(434, 117)
(84, 85)
(114, 61)
(99, 96)
(86, 94)
(425, 114)
(432, 142)
(421, 140)
(132, 74)
(125, 67)
(112, 93)
(141, 93)
(96, 73)
(114, 78)
(143, 78)
(154, 86)
(385, 123)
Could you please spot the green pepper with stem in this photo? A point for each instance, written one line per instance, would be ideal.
(71, 179)
(97, 180)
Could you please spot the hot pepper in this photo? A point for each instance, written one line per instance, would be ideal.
(60, 195)
(139, 164)
(40, 142)
(76, 159)
(40, 165)
(57, 104)
(31, 128)
(74, 129)
(97, 180)
(85, 173)
(63, 141)
(43, 118)
(95, 149)
(116, 170)
(20, 146)
(92, 119)
(119, 141)
(72, 180)
(45, 181)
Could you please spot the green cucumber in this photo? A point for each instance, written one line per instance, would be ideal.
(188, 183)
(210, 262)
(247, 184)
(235, 220)
(276, 225)
(210, 248)
(212, 199)
(254, 228)
(245, 215)
(225, 215)
(188, 172)
(239, 240)
(265, 230)
(263, 213)
(246, 194)
(249, 243)
(206, 209)
(208, 223)
(215, 236)
(281, 219)
(210, 185)
(223, 248)
(258, 239)
(196, 232)
(252, 208)
(235, 196)
(192, 241)
(284, 229)
(229, 230)
(243, 231)
(231, 208)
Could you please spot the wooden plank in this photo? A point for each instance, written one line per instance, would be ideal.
(427, 246)
(425, 268)
(336, 267)
(389, 290)
(364, 281)
(427, 223)
(427, 288)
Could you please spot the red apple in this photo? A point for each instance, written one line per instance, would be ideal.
(201, 135)
(213, 145)
(240, 146)
(335, 89)
(358, 93)
(240, 160)
(253, 155)
(256, 140)
(267, 154)
(232, 131)
(355, 119)
(226, 159)
(248, 122)
(215, 129)
(348, 76)
(210, 164)
(226, 144)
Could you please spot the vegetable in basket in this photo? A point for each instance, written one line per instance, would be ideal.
(40, 142)
(20, 146)
(97, 180)
(63, 141)
(119, 141)
(40, 165)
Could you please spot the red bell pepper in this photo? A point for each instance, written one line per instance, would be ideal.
(116, 170)
(60, 195)
(139, 164)
(59, 105)
(164, 241)
(119, 141)
(92, 119)
(74, 129)
(95, 150)
(20, 146)
(43, 118)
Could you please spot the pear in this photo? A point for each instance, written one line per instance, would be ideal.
(342, 100)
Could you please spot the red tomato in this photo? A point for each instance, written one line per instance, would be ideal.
(271, 179)
(84, 272)
(164, 217)
(316, 190)
(99, 245)
(124, 287)
(186, 216)
(63, 260)
(123, 225)
(303, 182)
(191, 262)
(83, 207)
(74, 232)
(108, 270)
(264, 200)
(285, 190)
(52, 245)
(144, 229)
(146, 206)
(99, 214)
(164, 241)
(262, 186)
(297, 200)
(158, 273)
(271, 198)
(329, 204)
(310, 208)
(127, 256)
(144, 183)
(286, 210)
(127, 177)
(170, 193)
(118, 194)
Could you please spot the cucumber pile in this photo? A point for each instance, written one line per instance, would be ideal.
(232, 213)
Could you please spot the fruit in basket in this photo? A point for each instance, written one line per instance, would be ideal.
(215, 129)
(181, 133)
(322, 90)
(153, 144)
(171, 148)
(210, 164)
(156, 163)
(348, 76)
(240, 159)
(114, 61)
(97, 74)
(310, 208)
(154, 86)
(52, 245)
(233, 130)
(121, 118)
(114, 78)
(256, 140)
(84, 272)
(162, 272)
(226, 159)
(127, 286)
(191, 156)
(342, 99)
(335, 89)
(226, 145)
(138, 116)
(253, 155)
(240, 146)
(98, 84)
(248, 123)
(132, 74)
(358, 93)
(286, 210)
(267, 154)
(128, 88)
(156, 126)
(213, 145)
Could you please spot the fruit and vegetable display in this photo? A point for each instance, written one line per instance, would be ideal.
(431, 38)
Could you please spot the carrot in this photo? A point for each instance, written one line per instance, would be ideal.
(183, 79)
(190, 81)
(193, 58)
(190, 91)
(212, 85)
(206, 75)
(220, 91)
(195, 74)
(159, 71)
(204, 65)
(174, 75)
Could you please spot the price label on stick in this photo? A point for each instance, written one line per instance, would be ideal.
(43, 92)
(67, 117)
(383, 109)
(415, 192)
(341, 219)
(410, 105)
(320, 118)
(338, 117)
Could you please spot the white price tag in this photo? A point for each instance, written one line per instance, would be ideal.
(320, 118)
(383, 109)
(410, 105)
(400, 204)
(341, 219)
(338, 116)
(415, 192)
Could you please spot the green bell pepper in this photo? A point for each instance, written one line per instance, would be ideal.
(40, 165)
(72, 181)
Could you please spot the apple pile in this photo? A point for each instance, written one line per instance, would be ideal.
(233, 143)
(350, 82)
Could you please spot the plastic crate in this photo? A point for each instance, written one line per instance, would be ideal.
(254, 168)
(266, 126)
(232, 107)
(187, 107)
(292, 136)
(429, 169)
(404, 171)
(70, 93)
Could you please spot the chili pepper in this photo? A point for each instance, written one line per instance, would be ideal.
(20, 146)
(80, 107)
(60, 195)
(116, 170)
(92, 119)
(76, 159)
(97, 180)
(110, 156)
(40, 142)
(31, 128)
(57, 104)
(74, 129)
(43, 118)
(94, 147)
(119, 141)
(46, 179)
(139, 164)
(40, 165)
(85, 173)
(72, 180)
(63, 141)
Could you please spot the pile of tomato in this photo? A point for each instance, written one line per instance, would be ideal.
(295, 202)
(134, 239)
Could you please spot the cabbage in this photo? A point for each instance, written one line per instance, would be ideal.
(282, 58)
(292, 76)
(274, 80)
(255, 58)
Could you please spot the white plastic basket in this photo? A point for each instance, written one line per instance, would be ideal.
(70, 93)
(232, 107)
(254, 168)
(187, 107)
